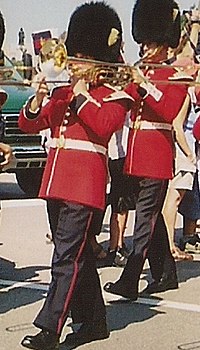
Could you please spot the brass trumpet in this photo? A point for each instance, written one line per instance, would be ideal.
(115, 74)
(53, 55)
(92, 71)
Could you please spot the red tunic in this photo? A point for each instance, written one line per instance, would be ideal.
(150, 152)
(76, 168)
(196, 129)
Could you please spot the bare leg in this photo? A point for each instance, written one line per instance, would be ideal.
(117, 228)
(170, 210)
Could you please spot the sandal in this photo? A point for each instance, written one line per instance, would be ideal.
(180, 255)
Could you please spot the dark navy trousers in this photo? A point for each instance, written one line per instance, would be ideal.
(150, 238)
(75, 284)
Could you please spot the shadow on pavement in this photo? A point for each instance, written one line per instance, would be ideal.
(185, 269)
(121, 314)
(11, 191)
(17, 296)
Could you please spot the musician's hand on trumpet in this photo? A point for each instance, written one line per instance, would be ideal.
(138, 76)
(41, 93)
(79, 87)
(193, 16)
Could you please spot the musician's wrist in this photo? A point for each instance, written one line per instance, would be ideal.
(35, 105)
(195, 21)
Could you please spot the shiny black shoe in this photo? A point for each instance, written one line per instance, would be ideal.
(115, 258)
(166, 283)
(120, 260)
(109, 260)
(124, 250)
(87, 333)
(192, 239)
(117, 288)
(42, 341)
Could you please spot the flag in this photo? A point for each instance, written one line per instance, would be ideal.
(37, 39)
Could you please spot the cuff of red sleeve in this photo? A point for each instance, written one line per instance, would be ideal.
(29, 113)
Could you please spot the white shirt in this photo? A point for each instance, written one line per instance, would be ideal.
(117, 146)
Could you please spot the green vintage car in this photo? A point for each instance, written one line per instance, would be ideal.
(29, 154)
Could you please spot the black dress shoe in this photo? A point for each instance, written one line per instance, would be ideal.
(110, 257)
(88, 332)
(124, 250)
(166, 283)
(42, 341)
(120, 260)
(191, 239)
(117, 288)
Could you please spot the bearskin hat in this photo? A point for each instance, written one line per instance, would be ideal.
(2, 30)
(156, 21)
(95, 30)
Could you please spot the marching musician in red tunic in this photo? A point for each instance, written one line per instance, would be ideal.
(75, 176)
(156, 27)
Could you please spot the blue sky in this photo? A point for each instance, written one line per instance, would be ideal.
(37, 15)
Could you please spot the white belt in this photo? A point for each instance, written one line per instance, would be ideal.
(146, 125)
(77, 145)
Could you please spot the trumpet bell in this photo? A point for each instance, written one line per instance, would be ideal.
(53, 54)
(60, 56)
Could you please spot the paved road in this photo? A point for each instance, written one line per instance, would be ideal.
(167, 321)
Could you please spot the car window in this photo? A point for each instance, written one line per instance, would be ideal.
(15, 76)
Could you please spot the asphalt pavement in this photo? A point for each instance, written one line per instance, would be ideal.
(165, 321)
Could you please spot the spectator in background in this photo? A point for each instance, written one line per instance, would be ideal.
(120, 196)
(185, 157)
(120, 199)
(191, 206)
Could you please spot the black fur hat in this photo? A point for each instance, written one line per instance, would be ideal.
(156, 21)
(95, 30)
(2, 30)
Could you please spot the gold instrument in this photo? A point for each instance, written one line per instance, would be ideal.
(54, 60)
(53, 50)
(92, 71)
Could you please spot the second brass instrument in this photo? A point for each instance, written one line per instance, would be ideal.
(54, 60)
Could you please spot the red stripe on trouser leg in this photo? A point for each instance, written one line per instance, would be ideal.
(74, 279)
